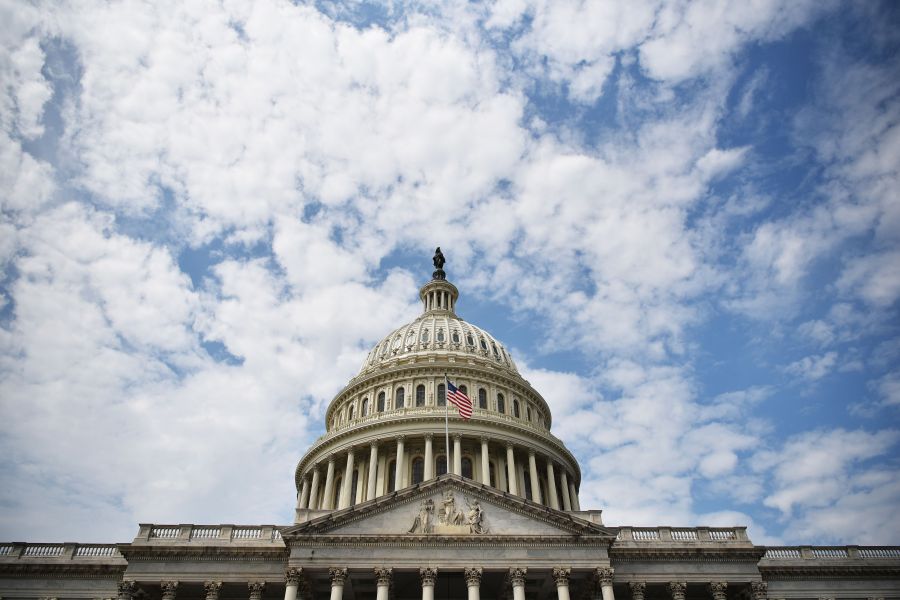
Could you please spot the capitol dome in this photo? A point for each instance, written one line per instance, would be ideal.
(386, 429)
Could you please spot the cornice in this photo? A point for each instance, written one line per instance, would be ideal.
(62, 571)
(174, 553)
(681, 554)
(449, 541)
(789, 572)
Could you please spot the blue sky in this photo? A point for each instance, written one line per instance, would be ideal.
(682, 219)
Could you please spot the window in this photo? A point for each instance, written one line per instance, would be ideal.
(418, 470)
(467, 467)
(424, 337)
(501, 403)
(455, 337)
(398, 397)
(483, 345)
(441, 465)
(493, 473)
(392, 475)
(470, 340)
(516, 413)
(353, 485)
(396, 345)
(380, 405)
(496, 352)
(464, 390)
(365, 407)
(420, 395)
(336, 501)
(440, 335)
(442, 395)
(350, 413)
(482, 398)
(527, 487)
(410, 338)
(528, 412)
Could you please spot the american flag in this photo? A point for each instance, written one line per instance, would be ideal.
(461, 401)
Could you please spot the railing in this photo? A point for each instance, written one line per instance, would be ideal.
(6, 549)
(831, 552)
(645, 535)
(96, 550)
(17, 551)
(165, 532)
(782, 553)
(208, 533)
(200, 533)
(722, 535)
(882, 552)
(689, 535)
(246, 533)
(684, 535)
(42, 551)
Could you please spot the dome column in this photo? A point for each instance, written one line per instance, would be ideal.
(551, 485)
(485, 462)
(329, 485)
(373, 470)
(574, 494)
(303, 501)
(429, 457)
(383, 583)
(314, 492)
(398, 469)
(564, 484)
(348, 480)
(457, 454)
(511, 470)
(338, 575)
(533, 475)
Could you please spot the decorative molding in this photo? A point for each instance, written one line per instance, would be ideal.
(473, 576)
(561, 576)
(517, 576)
(428, 575)
(338, 575)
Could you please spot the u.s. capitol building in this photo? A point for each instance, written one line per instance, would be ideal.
(385, 510)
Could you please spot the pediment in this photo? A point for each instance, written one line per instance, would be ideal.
(449, 506)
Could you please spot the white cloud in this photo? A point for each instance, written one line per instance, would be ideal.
(813, 367)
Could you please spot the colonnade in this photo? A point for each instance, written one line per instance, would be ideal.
(366, 472)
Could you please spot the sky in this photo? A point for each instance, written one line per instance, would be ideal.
(682, 219)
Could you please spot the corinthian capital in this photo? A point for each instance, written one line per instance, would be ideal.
(126, 589)
(517, 575)
(168, 589)
(473, 576)
(212, 589)
(717, 589)
(292, 575)
(428, 574)
(676, 589)
(382, 576)
(605, 575)
(561, 575)
(338, 575)
(637, 589)
(760, 590)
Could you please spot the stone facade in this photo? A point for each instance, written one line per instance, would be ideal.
(390, 507)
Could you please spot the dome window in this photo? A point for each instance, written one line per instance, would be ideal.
(501, 403)
(410, 338)
(396, 345)
(420, 395)
(470, 341)
(350, 414)
(424, 336)
(380, 404)
(528, 412)
(442, 395)
(392, 473)
(464, 390)
(365, 408)
(441, 465)
(516, 412)
(440, 335)
(482, 398)
(467, 467)
(418, 470)
(496, 353)
(454, 337)
(399, 396)
(483, 345)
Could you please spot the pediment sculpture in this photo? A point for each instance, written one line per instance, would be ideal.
(450, 519)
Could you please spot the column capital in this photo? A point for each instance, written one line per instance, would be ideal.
(510, 446)
(517, 575)
(338, 575)
(331, 458)
(399, 438)
(126, 589)
(292, 575)
(604, 575)
(561, 575)
(760, 590)
(637, 589)
(484, 439)
(676, 589)
(428, 575)
(429, 436)
(168, 589)
(457, 437)
(473, 576)
(374, 445)
(256, 589)
(383, 576)
(531, 452)
(717, 589)
(212, 589)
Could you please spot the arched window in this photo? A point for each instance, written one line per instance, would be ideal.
(365, 407)
(335, 502)
(470, 340)
(350, 413)
(467, 467)
(380, 405)
(424, 336)
(501, 403)
(418, 470)
(528, 412)
(528, 488)
(492, 469)
(353, 485)
(420, 395)
(441, 465)
(442, 395)
(483, 344)
(464, 390)
(398, 397)
(516, 413)
(392, 475)
(455, 337)
(440, 335)
(482, 398)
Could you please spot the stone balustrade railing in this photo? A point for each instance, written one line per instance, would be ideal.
(67, 551)
(189, 533)
(776, 553)
(678, 535)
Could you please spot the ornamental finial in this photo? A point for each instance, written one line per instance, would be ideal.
(438, 265)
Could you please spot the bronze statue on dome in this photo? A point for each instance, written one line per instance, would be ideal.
(438, 264)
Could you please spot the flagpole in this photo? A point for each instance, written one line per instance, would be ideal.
(447, 421)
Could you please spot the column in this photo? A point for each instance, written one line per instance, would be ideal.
(511, 473)
(605, 577)
(564, 481)
(637, 589)
(398, 470)
(327, 500)
(383, 583)
(517, 580)
(373, 470)
(759, 589)
(303, 501)
(212, 589)
(473, 582)
(314, 492)
(168, 589)
(574, 494)
(337, 582)
(428, 575)
(348, 481)
(485, 462)
(126, 590)
(676, 589)
(562, 582)
(717, 590)
(429, 457)
(256, 589)
(551, 485)
(457, 454)
(291, 583)
(536, 485)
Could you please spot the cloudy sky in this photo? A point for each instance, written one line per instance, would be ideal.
(682, 218)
